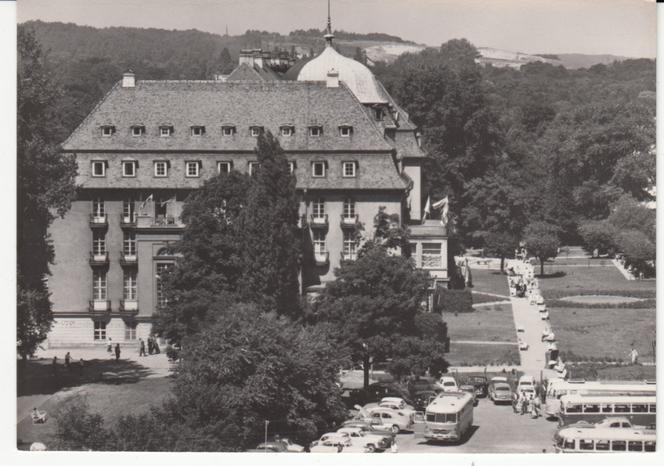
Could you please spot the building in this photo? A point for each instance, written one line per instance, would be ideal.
(148, 144)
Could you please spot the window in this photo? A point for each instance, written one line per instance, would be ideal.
(98, 210)
(129, 244)
(165, 131)
(100, 330)
(98, 243)
(620, 408)
(319, 242)
(346, 131)
(253, 168)
(607, 408)
(99, 285)
(287, 130)
(98, 168)
(618, 445)
(291, 167)
(318, 208)
(635, 445)
(639, 408)
(586, 445)
(197, 130)
(349, 209)
(128, 211)
(350, 245)
(192, 169)
(318, 169)
(591, 408)
(653, 408)
(650, 446)
(130, 331)
(224, 167)
(129, 168)
(568, 444)
(571, 408)
(130, 286)
(602, 445)
(255, 131)
(161, 169)
(137, 130)
(228, 130)
(349, 169)
(432, 257)
(315, 131)
(162, 268)
(378, 113)
(107, 130)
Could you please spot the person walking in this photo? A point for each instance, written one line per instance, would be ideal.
(117, 352)
(141, 351)
(150, 345)
(524, 403)
(67, 360)
(109, 345)
(54, 365)
(80, 367)
(634, 356)
(394, 448)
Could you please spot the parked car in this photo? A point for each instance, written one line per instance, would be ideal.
(270, 447)
(448, 384)
(396, 403)
(523, 346)
(399, 420)
(500, 392)
(331, 442)
(525, 381)
(380, 390)
(470, 389)
(481, 385)
(371, 425)
(366, 440)
(422, 384)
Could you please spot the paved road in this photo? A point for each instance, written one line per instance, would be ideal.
(527, 317)
(496, 429)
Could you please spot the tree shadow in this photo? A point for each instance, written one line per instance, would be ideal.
(558, 274)
(37, 377)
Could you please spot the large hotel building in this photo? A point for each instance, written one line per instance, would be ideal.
(148, 144)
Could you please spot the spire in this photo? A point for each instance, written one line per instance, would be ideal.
(329, 36)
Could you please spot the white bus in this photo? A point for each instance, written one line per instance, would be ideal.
(557, 388)
(640, 410)
(604, 440)
(449, 416)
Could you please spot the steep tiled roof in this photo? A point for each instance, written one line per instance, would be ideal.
(246, 72)
(270, 104)
(406, 145)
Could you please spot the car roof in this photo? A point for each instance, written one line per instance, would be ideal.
(392, 399)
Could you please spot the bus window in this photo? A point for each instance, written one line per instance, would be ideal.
(639, 408)
(431, 417)
(635, 446)
(591, 408)
(619, 408)
(618, 445)
(607, 408)
(586, 444)
(653, 408)
(602, 445)
(573, 408)
(649, 446)
(568, 444)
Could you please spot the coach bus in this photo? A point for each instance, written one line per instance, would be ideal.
(449, 416)
(604, 440)
(558, 388)
(640, 410)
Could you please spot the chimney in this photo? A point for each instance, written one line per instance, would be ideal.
(332, 78)
(128, 79)
(247, 56)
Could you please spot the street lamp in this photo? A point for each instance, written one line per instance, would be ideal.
(265, 443)
(365, 365)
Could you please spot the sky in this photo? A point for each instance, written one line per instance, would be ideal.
(618, 27)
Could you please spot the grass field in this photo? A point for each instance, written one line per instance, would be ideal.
(578, 279)
(607, 372)
(479, 355)
(490, 281)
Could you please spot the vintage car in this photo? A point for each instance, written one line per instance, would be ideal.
(331, 442)
(371, 442)
(448, 384)
(399, 420)
(470, 389)
(500, 392)
(481, 385)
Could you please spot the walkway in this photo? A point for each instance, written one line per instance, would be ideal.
(526, 316)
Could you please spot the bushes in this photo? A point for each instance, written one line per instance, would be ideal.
(78, 429)
(453, 301)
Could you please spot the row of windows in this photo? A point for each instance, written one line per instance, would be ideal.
(192, 168)
(226, 130)
(99, 243)
(100, 330)
(130, 290)
(612, 445)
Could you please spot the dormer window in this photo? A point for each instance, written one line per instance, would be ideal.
(345, 131)
(197, 130)
(253, 168)
(224, 167)
(378, 113)
(318, 169)
(228, 130)
(291, 167)
(315, 131)
(165, 131)
(255, 131)
(107, 131)
(287, 130)
(98, 168)
(137, 130)
(349, 169)
(192, 168)
(129, 168)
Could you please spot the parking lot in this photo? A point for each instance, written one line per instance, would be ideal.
(496, 429)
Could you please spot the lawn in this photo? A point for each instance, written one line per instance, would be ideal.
(583, 280)
(612, 372)
(603, 333)
(490, 281)
(480, 355)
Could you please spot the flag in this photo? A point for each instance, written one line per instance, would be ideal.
(445, 204)
(439, 204)
(149, 199)
(427, 207)
(162, 204)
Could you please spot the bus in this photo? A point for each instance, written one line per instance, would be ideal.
(449, 416)
(559, 387)
(604, 440)
(640, 410)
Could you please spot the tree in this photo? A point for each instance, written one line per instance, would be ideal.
(600, 235)
(271, 236)
(45, 188)
(628, 214)
(501, 244)
(226, 63)
(542, 241)
(638, 249)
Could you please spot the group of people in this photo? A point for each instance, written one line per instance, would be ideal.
(530, 404)
(110, 350)
(152, 346)
(69, 365)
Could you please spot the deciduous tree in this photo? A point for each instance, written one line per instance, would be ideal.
(542, 241)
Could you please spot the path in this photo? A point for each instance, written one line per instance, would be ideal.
(526, 316)
(484, 342)
(491, 294)
(491, 303)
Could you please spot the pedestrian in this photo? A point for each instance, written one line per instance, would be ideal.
(537, 406)
(141, 351)
(80, 367)
(109, 345)
(150, 345)
(394, 448)
(515, 401)
(524, 403)
(117, 352)
(155, 345)
(67, 359)
(55, 366)
(519, 404)
(634, 356)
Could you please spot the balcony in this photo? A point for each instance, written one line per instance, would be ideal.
(350, 221)
(128, 260)
(348, 256)
(318, 221)
(100, 306)
(129, 306)
(128, 221)
(169, 222)
(98, 259)
(321, 258)
(98, 221)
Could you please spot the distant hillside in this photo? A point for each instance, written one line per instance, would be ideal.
(506, 58)
(575, 61)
